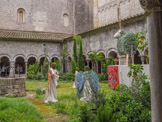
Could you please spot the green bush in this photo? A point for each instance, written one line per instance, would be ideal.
(86, 114)
(38, 91)
(33, 70)
(68, 76)
(101, 77)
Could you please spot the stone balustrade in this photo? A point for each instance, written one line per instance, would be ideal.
(12, 87)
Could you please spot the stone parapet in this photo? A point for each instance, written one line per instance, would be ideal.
(12, 87)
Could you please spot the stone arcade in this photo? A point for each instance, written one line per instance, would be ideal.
(30, 30)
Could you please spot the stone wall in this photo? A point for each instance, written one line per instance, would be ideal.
(123, 74)
(107, 11)
(40, 15)
(102, 40)
(47, 15)
(14, 49)
(12, 87)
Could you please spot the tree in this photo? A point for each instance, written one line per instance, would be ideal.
(80, 57)
(75, 48)
(78, 52)
(64, 54)
(95, 58)
(44, 68)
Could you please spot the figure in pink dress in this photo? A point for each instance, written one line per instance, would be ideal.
(51, 95)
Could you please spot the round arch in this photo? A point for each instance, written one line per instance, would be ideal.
(110, 51)
(55, 56)
(4, 65)
(6, 55)
(20, 67)
(41, 56)
(31, 60)
(32, 55)
(20, 55)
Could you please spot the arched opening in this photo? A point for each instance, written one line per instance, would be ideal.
(42, 60)
(31, 61)
(20, 15)
(84, 61)
(20, 65)
(137, 58)
(100, 63)
(4, 66)
(114, 55)
(146, 56)
(66, 19)
(90, 64)
(54, 59)
(69, 64)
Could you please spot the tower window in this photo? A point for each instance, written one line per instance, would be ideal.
(66, 20)
(20, 15)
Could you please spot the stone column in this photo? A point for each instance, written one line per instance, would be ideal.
(26, 67)
(122, 60)
(154, 22)
(12, 69)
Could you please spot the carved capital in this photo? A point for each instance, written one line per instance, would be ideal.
(151, 5)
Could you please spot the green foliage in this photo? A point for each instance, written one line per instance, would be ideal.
(96, 56)
(73, 66)
(64, 54)
(104, 113)
(33, 70)
(126, 44)
(140, 88)
(38, 91)
(125, 107)
(86, 68)
(140, 40)
(66, 77)
(18, 110)
(80, 63)
(97, 99)
(86, 114)
(101, 77)
(44, 68)
(105, 64)
(75, 38)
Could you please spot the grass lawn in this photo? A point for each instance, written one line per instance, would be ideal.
(68, 103)
(18, 110)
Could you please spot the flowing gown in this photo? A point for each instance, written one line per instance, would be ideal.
(75, 84)
(51, 94)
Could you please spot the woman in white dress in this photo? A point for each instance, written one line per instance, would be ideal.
(51, 95)
(76, 73)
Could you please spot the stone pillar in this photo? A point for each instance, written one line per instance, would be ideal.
(154, 21)
(26, 68)
(95, 13)
(12, 69)
(122, 60)
(143, 59)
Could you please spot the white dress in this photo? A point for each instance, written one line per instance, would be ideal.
(87, 91)
(74, 84)
(51, 94)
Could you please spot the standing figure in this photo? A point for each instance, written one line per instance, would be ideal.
(89, 82)
(51, 94)
(76, 73)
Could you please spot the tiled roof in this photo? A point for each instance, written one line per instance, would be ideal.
(32, 36)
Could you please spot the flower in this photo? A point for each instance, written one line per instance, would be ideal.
(141, 41)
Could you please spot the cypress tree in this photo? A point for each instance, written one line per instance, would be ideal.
(75, 49)
(81, 56)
